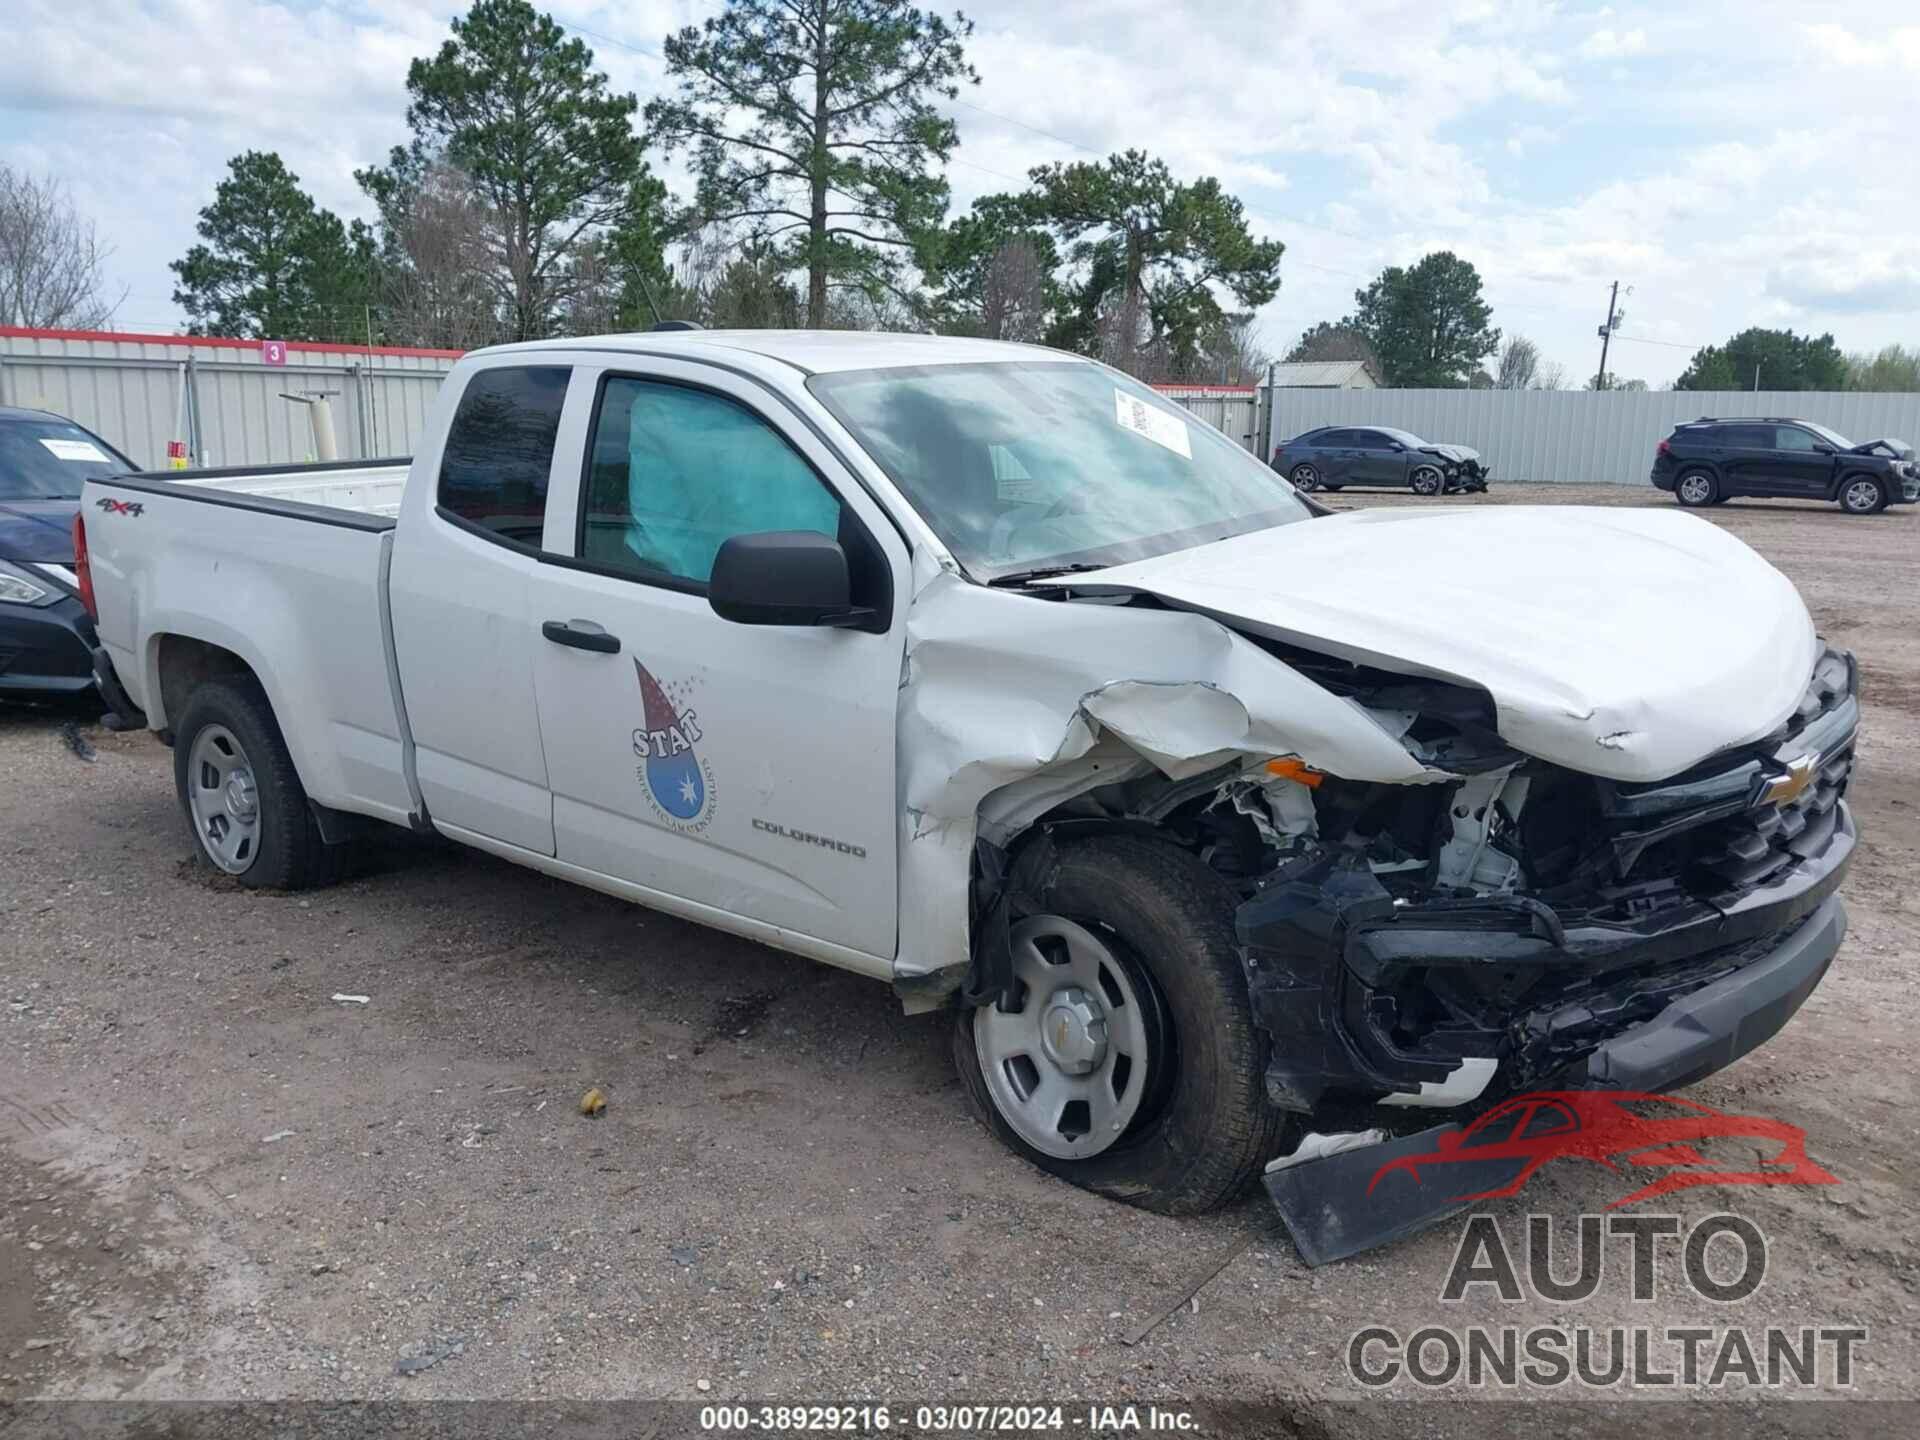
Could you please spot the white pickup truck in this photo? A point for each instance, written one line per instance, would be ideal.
(984, 671)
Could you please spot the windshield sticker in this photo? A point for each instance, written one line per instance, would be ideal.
(1169, 431)
(81, 450)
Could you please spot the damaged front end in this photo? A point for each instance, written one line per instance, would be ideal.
(1464, 469)
(1529, 927)
(1525, 915)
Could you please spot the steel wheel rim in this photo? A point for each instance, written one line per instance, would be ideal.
(1031, 1057)
(1695, 488)
(1862, 495)
(1426, 481)
(225, 800)
(1305, 477)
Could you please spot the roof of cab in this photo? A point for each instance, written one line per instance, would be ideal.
(816, 352)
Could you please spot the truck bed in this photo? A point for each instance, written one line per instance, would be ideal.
(369, 487)
(282, 566)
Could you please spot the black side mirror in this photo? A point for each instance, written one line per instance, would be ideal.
(1820, 449)
(784, 577)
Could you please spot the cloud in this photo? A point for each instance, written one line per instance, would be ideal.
(1608, 44)
(1838, 45)
(1843, 281)
(1557, 149)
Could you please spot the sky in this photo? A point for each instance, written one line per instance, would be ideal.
(1728, 162)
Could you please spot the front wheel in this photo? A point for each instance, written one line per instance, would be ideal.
(1863, 496)
(242, 798)
(1128, 1062)
(1426, 480)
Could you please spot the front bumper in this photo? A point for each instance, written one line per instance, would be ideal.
(1332, 960)
(1333, 1209)
(46, 649)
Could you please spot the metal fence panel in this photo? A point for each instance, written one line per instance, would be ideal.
(128, 389)
(1581, 435)
(1232, 410)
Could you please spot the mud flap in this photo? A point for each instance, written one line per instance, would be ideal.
(1330, 1213)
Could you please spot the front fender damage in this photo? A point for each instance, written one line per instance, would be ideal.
(1010, 705)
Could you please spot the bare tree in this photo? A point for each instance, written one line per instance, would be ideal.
(1519, 365)
(1014, 304)
(1552, 375)
(51, 259)
(435, 288)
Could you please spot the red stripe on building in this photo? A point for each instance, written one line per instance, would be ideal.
(224, 342)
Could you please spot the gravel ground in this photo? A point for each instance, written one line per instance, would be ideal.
(219, 1181)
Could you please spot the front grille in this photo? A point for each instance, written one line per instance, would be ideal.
(1764, 843)
(1713, 828)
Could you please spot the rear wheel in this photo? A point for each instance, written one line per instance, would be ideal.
(1128, 1063)
(1304, 477)
(1863, 495)
(1426, 480)
(242, 798)
(1697, 488)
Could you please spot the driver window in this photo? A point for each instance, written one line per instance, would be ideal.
(675, 472)
(1792, 437)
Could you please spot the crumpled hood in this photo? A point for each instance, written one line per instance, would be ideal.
(1898, 449)
(1456, 453)
(37, 531)
(1625, 643)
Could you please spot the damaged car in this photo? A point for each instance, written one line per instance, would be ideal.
(1336, 456)
(1225, 842)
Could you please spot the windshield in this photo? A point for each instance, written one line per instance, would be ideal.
(1832, 437)
(44, 458)
(1028, 466)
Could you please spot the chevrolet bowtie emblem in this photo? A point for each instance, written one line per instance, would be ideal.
(1800, 773)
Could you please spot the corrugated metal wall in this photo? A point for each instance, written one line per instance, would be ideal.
(1230, 410)
(1580, 435)
(127, 388)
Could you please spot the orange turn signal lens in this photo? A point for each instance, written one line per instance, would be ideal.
(1291, 767)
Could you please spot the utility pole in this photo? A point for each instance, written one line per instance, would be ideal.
(1606, 335)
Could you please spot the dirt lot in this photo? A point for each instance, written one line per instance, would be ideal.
(219, 1181)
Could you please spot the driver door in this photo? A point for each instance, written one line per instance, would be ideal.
(747, 770)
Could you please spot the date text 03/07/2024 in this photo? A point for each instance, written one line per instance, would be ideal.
(948, 1419)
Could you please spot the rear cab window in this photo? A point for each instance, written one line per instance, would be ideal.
(499, 452)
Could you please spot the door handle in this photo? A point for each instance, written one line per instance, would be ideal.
(581, 635)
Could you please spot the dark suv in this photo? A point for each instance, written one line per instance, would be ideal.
(1706, 461)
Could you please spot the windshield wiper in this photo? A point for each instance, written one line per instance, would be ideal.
(1044, 572)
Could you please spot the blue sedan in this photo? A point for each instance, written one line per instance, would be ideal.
(1336, 456)
(46, 635)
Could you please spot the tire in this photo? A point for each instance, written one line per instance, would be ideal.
(1332, 489)
(230, 762)
(1427, 480)
(1870, 494)
(1304, 477)
(1203, 1127)
(1697, 488)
